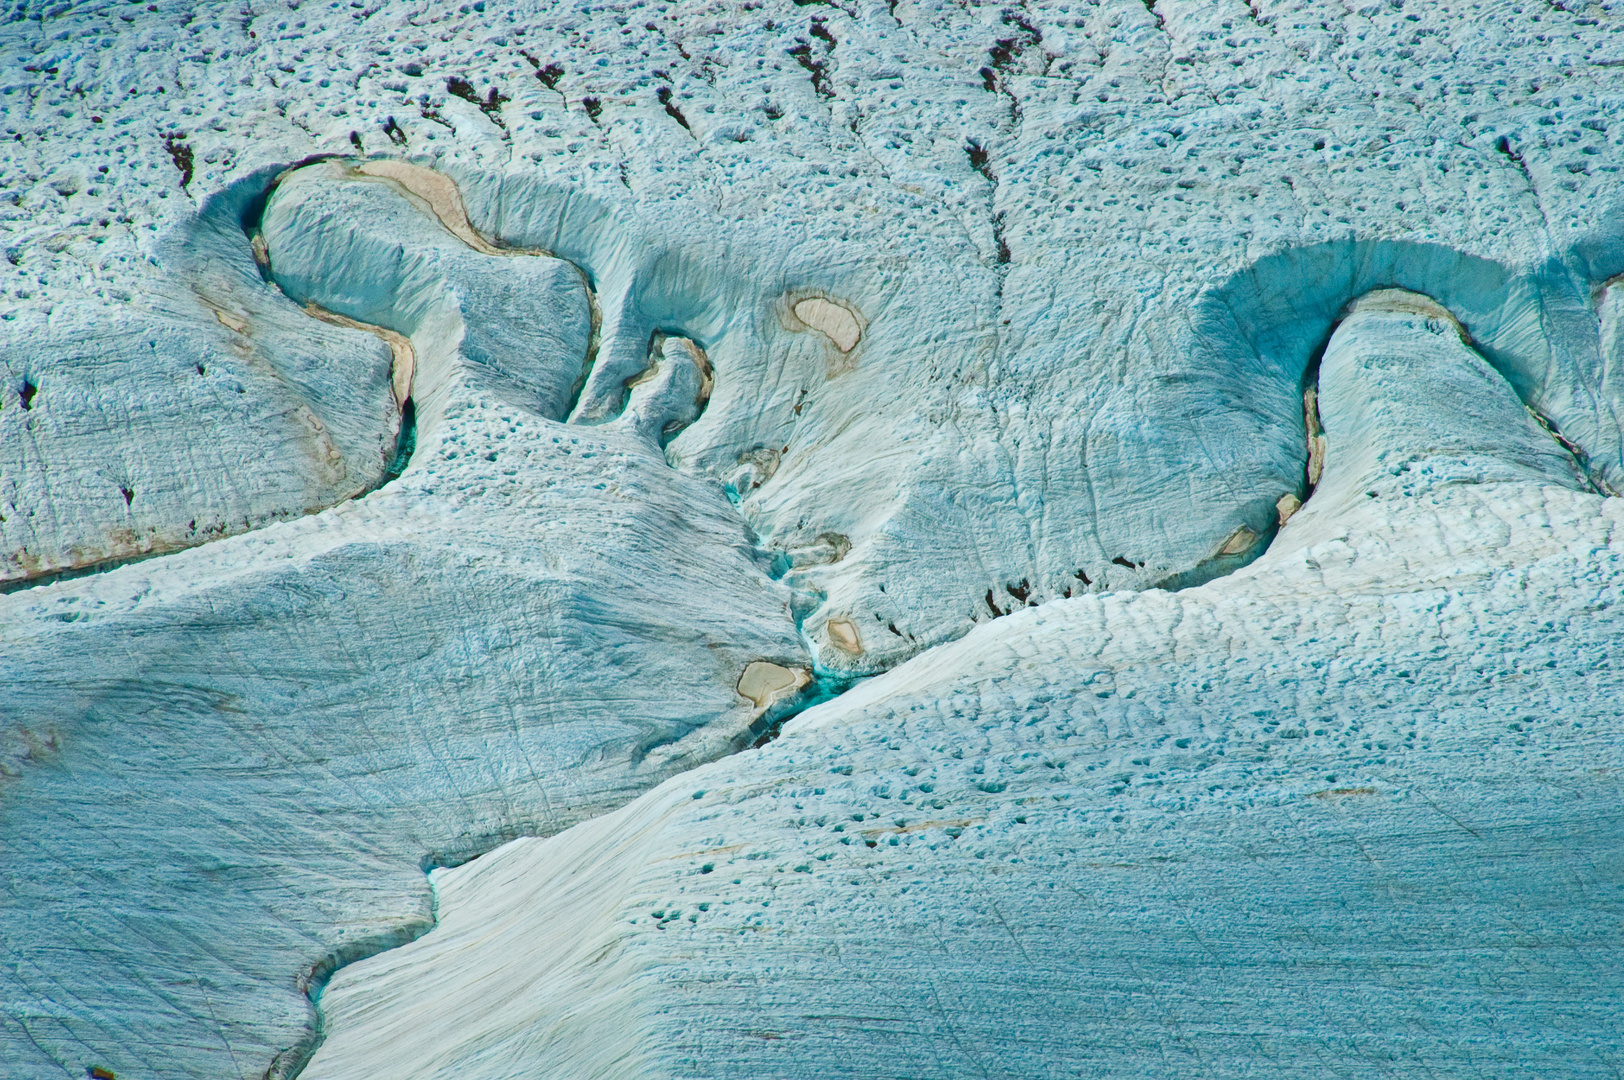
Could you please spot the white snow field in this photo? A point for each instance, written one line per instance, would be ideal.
(811, 538)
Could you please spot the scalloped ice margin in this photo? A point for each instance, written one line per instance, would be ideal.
(1232, 369)
(1249, 341)
(1546, 327)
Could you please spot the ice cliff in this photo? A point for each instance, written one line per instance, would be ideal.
(811, 539)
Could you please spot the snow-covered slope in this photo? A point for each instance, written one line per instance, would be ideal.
(551, 398)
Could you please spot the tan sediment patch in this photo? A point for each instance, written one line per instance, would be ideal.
(764, 682)
(646, 375)
(404, 368)
(829, 547)
(833, 320)
(232, 317)
(324, 442)
(438, 195)
(762, 465)
(118, 546)
(1317, 448)
(1240, 540)
(235, 323)
(1317, 443)
(1287, 505)
(662, 348)
(843, 635)
(707, 375)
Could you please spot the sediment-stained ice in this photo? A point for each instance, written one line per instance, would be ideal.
(425, 427)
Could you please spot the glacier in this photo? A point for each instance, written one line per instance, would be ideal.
(811, 539)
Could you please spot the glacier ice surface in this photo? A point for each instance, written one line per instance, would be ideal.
(423, 428)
